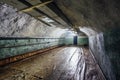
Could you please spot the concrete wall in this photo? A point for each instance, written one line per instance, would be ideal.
(96, 45)
(14, 24)
(112, 49)
(15, 46)
(21, 33)
(106, 48)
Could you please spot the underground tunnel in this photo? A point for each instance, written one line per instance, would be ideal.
(59, 40)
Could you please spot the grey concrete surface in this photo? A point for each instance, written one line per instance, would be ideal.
(13, 24)
(63, 63)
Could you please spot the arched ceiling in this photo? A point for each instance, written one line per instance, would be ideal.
(99, 15)
(39, 10)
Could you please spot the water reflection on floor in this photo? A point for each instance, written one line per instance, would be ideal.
(64, 63)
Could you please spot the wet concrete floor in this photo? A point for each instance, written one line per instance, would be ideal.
(63, 63)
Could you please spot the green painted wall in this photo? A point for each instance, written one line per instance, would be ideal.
(15, 46)
(82, 40)
(69, 41)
